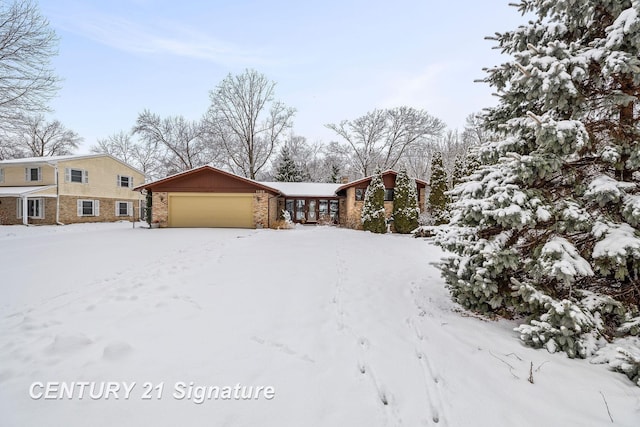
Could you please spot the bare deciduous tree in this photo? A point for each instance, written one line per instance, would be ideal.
(143, 155)
(38, 137)
(184, 140)
(381, 137)
(27, 44)
(119, 145)
(247, 121)
(475, 133)
(417, 160)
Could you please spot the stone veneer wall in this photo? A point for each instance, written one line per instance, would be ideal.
(160, 208)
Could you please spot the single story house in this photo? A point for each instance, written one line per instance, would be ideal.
(68, 189)
(210, 197)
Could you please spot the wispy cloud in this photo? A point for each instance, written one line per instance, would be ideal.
(160, 38)
(417, 88)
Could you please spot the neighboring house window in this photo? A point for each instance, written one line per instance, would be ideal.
(76, 175)
(388, 194)
(124, 209)
(33, 174)
(1, 175)
(360, 194)
(35, 208)
(88, 207)
(125, 181)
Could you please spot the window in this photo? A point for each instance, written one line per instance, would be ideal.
(300, 208)
(360, 194)
(1, 175)
(125, 181)
(35, 208)
(124, 209)
(33, 174)
(288, 206)
(76, 175)
(323, 208)
(88, 207)
(388, 194)
(333, 209)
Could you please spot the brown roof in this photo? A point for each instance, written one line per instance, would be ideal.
(173, 182)
(367, 179)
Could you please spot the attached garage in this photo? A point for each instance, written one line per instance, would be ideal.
(211, 210)
(207, 197)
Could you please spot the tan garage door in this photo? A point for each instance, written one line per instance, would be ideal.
(210, 210)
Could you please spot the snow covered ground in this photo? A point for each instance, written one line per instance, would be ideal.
(349, 328)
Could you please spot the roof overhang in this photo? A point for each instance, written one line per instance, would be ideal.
(257, 185)
(368, 178)
(26, 191)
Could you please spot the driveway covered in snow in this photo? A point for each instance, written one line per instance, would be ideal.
(345, 328)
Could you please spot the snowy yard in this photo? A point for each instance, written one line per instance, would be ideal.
(349, 328)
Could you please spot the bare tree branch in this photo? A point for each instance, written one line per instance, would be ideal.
(247, 121)
(380, 138)
(27, 44)
(39, 138)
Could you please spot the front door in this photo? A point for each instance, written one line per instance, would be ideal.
(311, 214)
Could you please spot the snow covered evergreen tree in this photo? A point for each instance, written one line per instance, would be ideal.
(373, 214)
(466, 164)
(438, 198)
(405, 203)
(548, 227)
(287, 170)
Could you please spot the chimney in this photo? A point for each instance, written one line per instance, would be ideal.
(344, 179)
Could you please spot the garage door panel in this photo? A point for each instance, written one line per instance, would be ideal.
(211, 210)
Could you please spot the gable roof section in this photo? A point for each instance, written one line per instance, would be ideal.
(206, 179)
(54, 160)
(367, 179)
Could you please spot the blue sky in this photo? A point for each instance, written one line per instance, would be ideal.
(332, 60)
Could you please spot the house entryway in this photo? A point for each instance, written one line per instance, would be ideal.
(312, 210)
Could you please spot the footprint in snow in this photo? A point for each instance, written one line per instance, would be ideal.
(67, 343)
(116, 351)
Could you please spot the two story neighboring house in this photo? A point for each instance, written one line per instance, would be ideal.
(68, 189)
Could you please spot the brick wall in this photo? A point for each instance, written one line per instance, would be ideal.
(69, 210)
(354, 215)
(9, 211)
(261, 209)
(422, 199)
(160, 208)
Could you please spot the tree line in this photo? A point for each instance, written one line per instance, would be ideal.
(245, 130)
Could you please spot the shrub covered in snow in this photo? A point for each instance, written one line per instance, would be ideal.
(373, 214)
(405, 204)
(547, 226)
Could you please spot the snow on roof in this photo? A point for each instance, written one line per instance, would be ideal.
(48, 159)
(56, 159)
(310, 189)
(19, 191)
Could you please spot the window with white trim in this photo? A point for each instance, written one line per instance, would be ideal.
(33, 174)
(124, 209)
(88, 207)
(125, 181)
(35, 208)
(76, 175)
